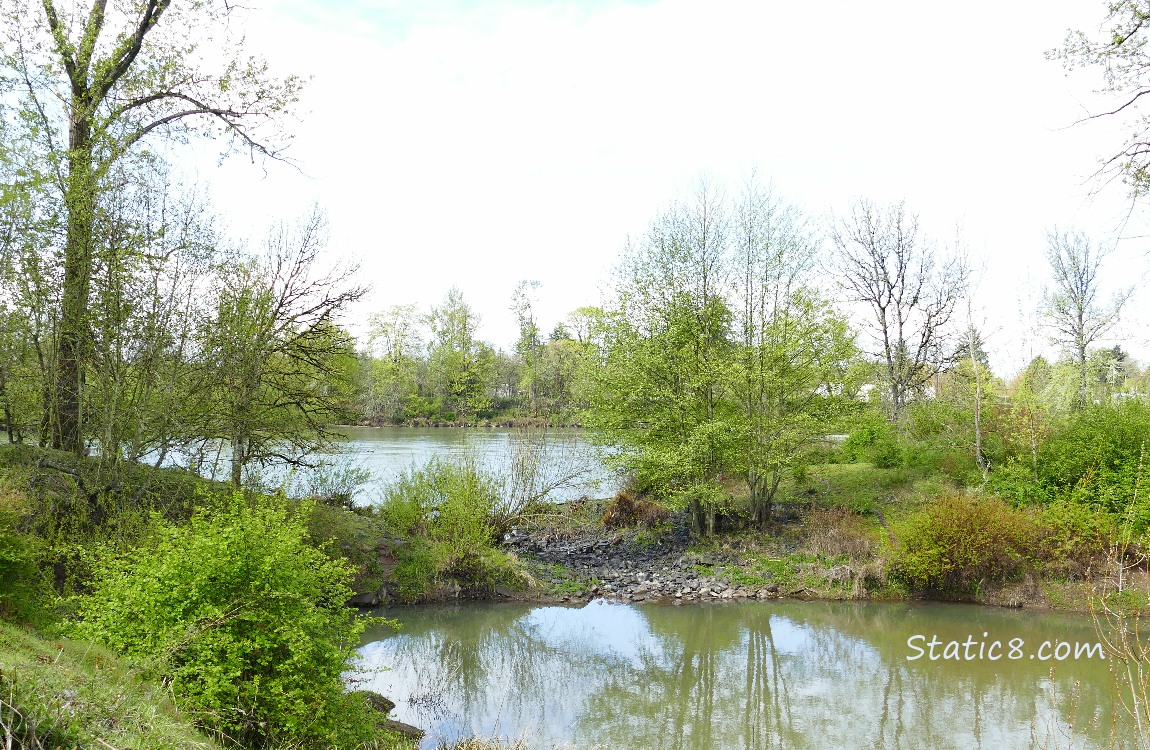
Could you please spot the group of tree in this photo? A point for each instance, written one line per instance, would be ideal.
(130, 326)
(719, 356)
(432, 366)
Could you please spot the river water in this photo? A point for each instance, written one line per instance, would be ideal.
(383, 453)
(780, 674)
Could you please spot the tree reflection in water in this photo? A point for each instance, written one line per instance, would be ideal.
(751, 675)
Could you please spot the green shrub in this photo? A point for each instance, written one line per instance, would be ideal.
(415, 570)
(885, 454)
(445, 512)
(244, 618)
(959, 467)
(958, 542)
(1073, 538)
(1096, 459)
(443, 501)
(873, 439)
(1015, 481)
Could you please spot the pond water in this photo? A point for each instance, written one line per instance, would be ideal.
(751, 675)
(385, 452)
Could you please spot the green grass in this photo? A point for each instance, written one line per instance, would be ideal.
(561, 581)
(866, 490)
(761, 570)
(59, 693)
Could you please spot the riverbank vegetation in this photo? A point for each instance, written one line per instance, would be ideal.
(799, 407)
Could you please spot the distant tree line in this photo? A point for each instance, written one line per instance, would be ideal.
(430, 365)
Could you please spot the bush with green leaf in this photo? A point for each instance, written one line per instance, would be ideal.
(1097, 457)
(873, 439)
(958, 542)
(1074, 538)
(245, 619)
(445, 511)
(1015, 481)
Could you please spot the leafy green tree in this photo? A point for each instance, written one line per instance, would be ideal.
(793, 351)
(1110, 370)
(791, 385)
(528, 346)
(662, 386)
(29, 287)
(1025, 420)
(584, 322)
(559, 368)
(393, 376)
(19, 375)
(90, 90)
(462, 368)
(155, 255)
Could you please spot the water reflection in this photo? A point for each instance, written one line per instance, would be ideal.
(753, 675)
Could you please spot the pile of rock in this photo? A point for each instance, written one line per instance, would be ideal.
(626, 572)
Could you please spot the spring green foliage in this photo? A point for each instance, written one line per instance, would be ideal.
(461, 366)
(445, 511)
(21, 581)
(1074, 538)
(959, 542)
(873, 439)
(1093, 458)
(1097, 457)
(717, 359)
(245, 619)
(430, 366)
(93, 89)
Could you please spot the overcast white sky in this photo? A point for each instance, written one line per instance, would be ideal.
(474, 144)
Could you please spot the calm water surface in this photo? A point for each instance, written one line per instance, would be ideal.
(747, 675)
(386, 452)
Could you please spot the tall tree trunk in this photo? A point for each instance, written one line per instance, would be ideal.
(67, 428)
(698, 520)
(760, 499)
(1082, 386)
(239, 458)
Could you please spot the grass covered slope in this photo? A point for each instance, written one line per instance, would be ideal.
(60, 693)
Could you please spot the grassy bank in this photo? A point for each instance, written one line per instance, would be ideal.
(61, 693)
(839, 530)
